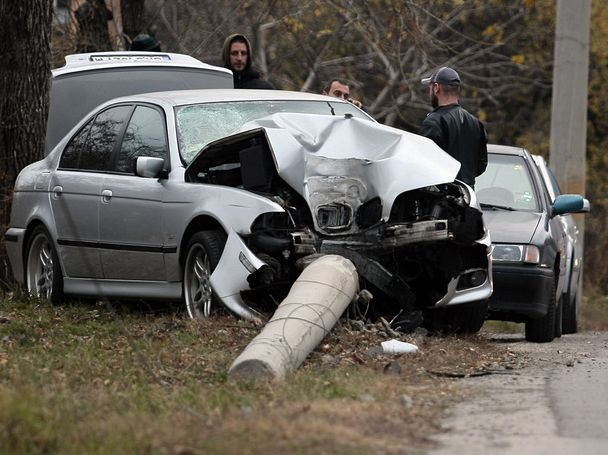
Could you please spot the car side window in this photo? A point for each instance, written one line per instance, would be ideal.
(556, 189)
(105, 130)
(71, 155)
(144, 136)
(91, 148)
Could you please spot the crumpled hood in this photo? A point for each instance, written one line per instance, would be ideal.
(511, 227)
(324, 156)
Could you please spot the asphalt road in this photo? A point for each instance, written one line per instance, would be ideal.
(556, 404)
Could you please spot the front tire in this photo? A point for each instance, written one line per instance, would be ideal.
(203, 254)
(463, 318)
(570, 322)
(43, 277)
(542, 330)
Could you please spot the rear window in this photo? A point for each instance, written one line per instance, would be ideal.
(73, 95)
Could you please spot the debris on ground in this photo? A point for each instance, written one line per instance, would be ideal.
(398, 347)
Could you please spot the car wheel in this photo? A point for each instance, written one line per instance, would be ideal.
(570, 322)
(463, 318)
(542, 330)
(203, 254)
(559, 316)
(43, 277)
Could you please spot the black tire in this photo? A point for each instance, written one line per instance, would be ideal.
(203, 253)
(559, 317)
(542, 330)
(42, 271)
(462, 319)
(570, 322)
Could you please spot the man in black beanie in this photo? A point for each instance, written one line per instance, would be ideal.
(145, 42)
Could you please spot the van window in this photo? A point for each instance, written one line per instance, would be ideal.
(75, 94)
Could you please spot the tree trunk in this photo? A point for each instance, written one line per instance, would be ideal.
(25, 37)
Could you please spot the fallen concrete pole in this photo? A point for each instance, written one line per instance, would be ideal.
(314, 304)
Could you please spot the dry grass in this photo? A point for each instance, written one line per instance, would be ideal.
(92, 378)
(594, 313)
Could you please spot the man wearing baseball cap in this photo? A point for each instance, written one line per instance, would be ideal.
(452, 127)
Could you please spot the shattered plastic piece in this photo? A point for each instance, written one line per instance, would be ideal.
(398, 347)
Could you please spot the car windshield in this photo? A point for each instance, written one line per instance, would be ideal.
(200, 124)
(506, 183)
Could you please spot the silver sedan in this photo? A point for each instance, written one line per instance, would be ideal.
(223, 196)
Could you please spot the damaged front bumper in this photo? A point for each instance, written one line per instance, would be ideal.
(412, 265)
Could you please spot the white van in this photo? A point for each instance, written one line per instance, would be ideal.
(87, 80)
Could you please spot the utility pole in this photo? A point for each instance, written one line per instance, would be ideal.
(569, 103)
(568, 148)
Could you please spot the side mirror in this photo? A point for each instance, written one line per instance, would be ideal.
(586, 206)
(568, 203)
(149, 167)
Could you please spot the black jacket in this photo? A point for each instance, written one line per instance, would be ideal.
(250, 79)
(462, 135)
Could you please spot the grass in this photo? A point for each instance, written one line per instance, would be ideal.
(96, 378)
(594, 312)
(593, 315)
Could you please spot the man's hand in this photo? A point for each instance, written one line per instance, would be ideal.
(355, 102)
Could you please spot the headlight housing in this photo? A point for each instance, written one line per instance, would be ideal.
(528, 254)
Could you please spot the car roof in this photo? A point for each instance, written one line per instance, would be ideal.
(506, 149)
(539, 160)
(183, 97)
(111, 60)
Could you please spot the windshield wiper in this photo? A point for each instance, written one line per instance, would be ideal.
(496, 207)
(331, 107)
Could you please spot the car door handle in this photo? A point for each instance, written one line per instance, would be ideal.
(57, 191)
(106, 196)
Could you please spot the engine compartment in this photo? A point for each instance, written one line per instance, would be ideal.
(408, 261)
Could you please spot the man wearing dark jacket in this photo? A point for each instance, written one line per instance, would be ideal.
(455, 130)
(237, 57)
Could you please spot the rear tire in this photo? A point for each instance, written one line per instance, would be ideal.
(463, 318)
(203, 254)
(570, 322)
(43, 277)
(559, 315)
(542, 330)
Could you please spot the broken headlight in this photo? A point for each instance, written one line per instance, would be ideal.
(334, 200)
(334, 217)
